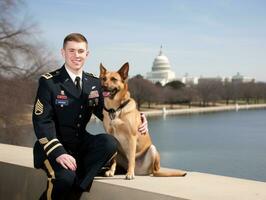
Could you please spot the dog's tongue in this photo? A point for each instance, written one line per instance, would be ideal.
(106, 93)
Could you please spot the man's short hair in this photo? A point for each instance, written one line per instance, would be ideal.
(76, 37)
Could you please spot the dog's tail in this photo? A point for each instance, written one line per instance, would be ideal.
(169, 173)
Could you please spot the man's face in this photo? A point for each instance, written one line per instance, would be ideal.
(75, 54)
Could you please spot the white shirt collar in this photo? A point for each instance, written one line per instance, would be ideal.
(73, 76)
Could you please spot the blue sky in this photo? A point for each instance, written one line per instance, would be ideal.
(200, 37)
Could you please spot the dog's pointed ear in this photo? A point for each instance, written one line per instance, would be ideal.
(123, 71)
(102, 70)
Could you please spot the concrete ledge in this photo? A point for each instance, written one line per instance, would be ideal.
(18, 181)
(195, 186)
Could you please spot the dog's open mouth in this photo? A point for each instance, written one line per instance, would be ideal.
(110, 92)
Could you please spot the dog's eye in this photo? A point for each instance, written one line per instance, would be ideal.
(104, 78)
(113, 79)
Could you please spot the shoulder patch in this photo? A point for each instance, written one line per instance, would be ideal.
(91, 74)
(51, 74)
(47, 75)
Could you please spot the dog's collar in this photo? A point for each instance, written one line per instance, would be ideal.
(112, 112)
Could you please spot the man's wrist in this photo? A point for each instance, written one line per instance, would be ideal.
(52, 148)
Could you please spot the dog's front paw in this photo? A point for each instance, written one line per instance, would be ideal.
(110, 173)
(130, 176)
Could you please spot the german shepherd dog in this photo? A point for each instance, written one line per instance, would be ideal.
(136, 153)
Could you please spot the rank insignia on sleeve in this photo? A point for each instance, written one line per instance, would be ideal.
(38, 110)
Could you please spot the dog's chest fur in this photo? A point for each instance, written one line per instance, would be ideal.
(116, 127)
(124, 125)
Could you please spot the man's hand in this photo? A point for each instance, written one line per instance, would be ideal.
(143, 128)
(67, 161)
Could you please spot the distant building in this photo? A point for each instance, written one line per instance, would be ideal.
(161, 70)
(217, 79)
(188, 80)
(238, 78)
(161, 73)
(227, 79)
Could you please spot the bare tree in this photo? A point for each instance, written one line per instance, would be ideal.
(189, 95)
(20, 53)
(22, 59)
(209, 90)
(16, 100)
(248, 91)
(228, 92)
(260, 92)
(143, 90)
(170, 95)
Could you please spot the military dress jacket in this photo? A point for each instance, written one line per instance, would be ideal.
(61, 113)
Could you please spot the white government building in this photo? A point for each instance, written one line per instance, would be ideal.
(161, 72)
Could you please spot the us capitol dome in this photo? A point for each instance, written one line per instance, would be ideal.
(161, 70)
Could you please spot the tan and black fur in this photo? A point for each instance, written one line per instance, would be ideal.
(136, 153)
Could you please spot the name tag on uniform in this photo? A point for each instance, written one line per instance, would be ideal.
(61, 102)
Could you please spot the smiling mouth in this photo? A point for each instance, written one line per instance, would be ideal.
(76, 61)
(110, 92)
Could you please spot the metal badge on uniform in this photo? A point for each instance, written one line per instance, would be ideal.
(96, 101)
(93, 94)
(90, 102)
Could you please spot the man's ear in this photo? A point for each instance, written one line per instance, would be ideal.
(63, 52)
(102, 70)
(123, 71)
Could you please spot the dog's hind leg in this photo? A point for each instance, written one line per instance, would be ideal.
(145, 162)
(156, 165)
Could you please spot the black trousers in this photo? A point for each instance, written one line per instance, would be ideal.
(94, 152)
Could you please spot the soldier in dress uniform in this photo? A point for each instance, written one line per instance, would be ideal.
(65, 101)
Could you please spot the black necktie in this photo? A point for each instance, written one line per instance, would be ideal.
(77, 82)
